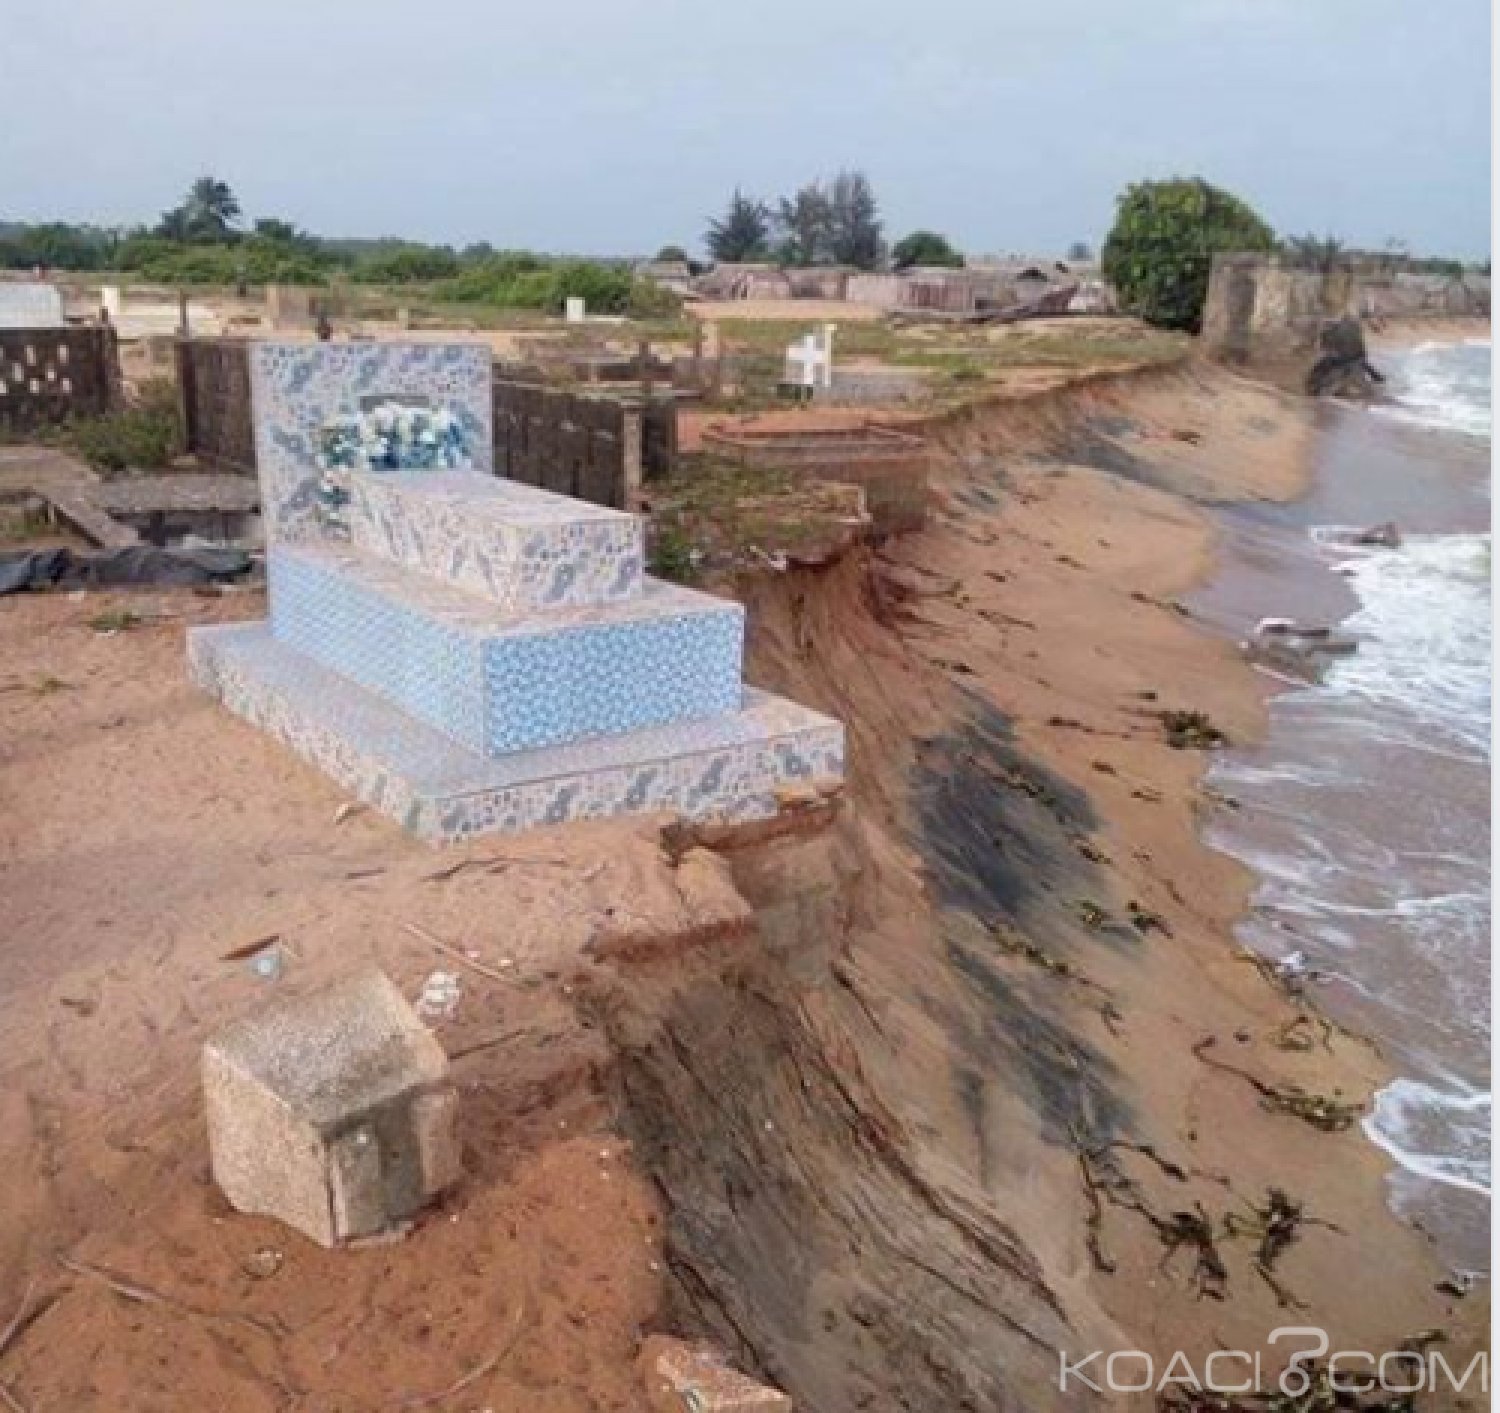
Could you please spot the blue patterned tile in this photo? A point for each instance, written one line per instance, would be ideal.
(497, 684)
(523, 549)
(297, 389)
(727, 767)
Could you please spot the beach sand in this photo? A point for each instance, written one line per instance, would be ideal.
(1403, 333)
(922, 1120)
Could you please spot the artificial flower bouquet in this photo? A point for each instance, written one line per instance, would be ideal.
(388, 436)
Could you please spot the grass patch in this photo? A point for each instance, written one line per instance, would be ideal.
(1016, 346)
(144, 436)
(672, 554)
(717, 514)
(23, 521)
(958, 356)
(115, 620)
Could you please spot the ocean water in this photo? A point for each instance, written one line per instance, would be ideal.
(1366, 813)
(1444, 385)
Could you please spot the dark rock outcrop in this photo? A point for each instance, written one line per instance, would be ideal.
(1343, 368)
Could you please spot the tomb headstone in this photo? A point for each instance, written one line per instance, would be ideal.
(809, 361)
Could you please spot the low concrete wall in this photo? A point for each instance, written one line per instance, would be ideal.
(50, 375)
(892, 468)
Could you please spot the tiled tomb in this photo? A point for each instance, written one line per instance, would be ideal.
(472, 655)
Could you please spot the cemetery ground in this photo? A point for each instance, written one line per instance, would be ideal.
(958, 360)
(891, 1108)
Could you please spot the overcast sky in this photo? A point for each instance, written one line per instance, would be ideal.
(597, 126)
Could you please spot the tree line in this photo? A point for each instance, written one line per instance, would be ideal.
(834, 222)
(1159, 253)
(205, 240)
(1157, 256)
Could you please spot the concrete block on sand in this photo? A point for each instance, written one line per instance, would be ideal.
(683, 1378)
(331, 1112)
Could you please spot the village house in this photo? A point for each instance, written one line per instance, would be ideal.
(743, 280)
(674, 275)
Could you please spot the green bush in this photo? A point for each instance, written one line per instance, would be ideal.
(649, 300)
(56, 245)
(256, 261)
(144, 436)
(503, 288)
(1163, 242)
(671, 554)
(521, 281)
(604, 289)
(925, 248)
(407, 263)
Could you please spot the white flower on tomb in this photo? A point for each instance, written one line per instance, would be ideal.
(389, 436)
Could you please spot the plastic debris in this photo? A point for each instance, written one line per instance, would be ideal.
(441, 993)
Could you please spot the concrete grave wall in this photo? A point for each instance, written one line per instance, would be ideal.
(30, 305)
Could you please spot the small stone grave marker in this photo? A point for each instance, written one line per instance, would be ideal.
(331, 1112)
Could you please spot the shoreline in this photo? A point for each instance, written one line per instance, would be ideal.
(1406, 333)
(1360, 455)
(1074, 527)
(975, 1043)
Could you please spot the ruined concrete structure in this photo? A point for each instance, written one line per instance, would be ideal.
(947, 291)
(1263, 310)
(941, 290)
(1260, 309)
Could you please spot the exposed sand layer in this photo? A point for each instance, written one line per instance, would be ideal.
(925, 1120)
(1403, 333)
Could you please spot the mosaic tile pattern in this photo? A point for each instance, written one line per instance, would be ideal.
(524, 549)
(496, 684)
(728, 766)
(298, 388)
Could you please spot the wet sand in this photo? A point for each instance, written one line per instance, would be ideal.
(1421, 1008)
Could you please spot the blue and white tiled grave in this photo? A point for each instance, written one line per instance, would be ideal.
(471, 655)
